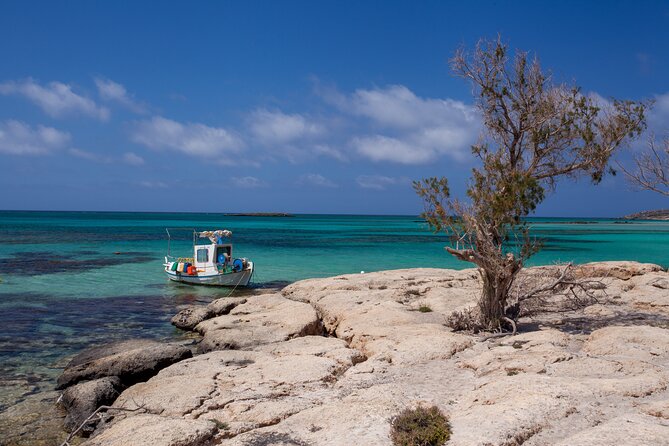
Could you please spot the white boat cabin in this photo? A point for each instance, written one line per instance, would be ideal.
(211, 258)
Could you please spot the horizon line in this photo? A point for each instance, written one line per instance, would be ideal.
(282, 212)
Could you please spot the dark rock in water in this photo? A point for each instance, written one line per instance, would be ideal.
(38, 263)
(82, 399)
(132, 361)
(189, 317)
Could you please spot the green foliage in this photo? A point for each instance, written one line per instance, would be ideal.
(435, 194)
(424, 308)
(420, 427)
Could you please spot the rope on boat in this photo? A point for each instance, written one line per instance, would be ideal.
(238, 282)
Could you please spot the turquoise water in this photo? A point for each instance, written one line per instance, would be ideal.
(70, 280)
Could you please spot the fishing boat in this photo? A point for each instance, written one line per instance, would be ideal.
(212, 263)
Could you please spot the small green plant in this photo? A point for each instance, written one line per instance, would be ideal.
(424, 308)
(422, 426)
(221, 425)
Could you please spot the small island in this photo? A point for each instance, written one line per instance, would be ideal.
(660, 214)
(259, 214)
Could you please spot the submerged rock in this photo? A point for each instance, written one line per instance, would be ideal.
(35, 421)
(131, 361)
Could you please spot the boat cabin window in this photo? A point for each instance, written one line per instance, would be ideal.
(202, 255)
(223, 250)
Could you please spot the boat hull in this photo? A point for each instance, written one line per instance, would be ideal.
(233, 279)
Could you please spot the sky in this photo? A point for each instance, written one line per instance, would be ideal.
(291, 106)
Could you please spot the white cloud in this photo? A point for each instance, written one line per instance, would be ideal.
(153, 184)
(315, 179)
(56, 98)
(191, 138)
(18, 138)
(133, 159)
(383, 148)
(326, 150)
(378, 182)
(398, 107)
(113, 91)
(409, 129)
(247, 182)
(127, 158)
(90, 156)
(273, 128)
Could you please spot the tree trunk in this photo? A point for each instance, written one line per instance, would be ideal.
(496, 286)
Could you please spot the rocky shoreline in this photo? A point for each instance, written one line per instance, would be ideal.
(660, 214)
(331, 361)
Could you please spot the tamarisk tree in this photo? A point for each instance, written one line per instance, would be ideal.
(535, 133)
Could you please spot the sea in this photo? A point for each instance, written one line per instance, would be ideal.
(71, 280)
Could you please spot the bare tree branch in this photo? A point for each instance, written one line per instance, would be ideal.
(97, 415)
(652, 168)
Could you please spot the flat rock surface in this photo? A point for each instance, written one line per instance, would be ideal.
(591, 377)
(153, 430)
(262, 319)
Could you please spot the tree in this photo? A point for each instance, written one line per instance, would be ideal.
(652, 168)
(535, 133)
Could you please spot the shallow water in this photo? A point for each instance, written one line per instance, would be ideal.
(71, 280)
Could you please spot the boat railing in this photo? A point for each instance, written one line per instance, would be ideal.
(169, 240)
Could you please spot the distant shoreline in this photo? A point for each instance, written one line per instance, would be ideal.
(659, 214)
(259, 214)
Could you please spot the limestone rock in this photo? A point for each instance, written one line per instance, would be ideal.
(132, 361)
(641, 430)
(225, 304)
(263, 319)
(643, 343)
(376, 313)
(245, 389)
(81, 400)
(662, 284)
(188, 318)
(617, 269)
(154, 430)
(593, 376)
(658, 409)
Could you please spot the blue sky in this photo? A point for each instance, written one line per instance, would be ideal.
(308, 107)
